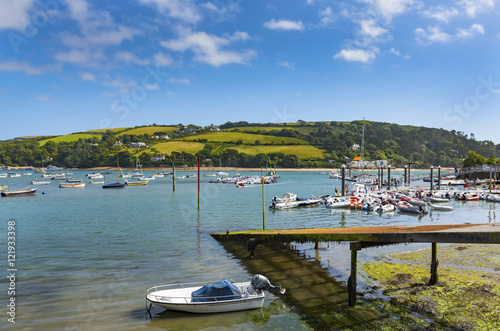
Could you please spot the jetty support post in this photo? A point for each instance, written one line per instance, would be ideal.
(434, 265)
(199, 164)
(173, 175)
(342, 171)
(439, 177)
(432, 178)
(409, 173)
(406, 171)
(379, 178)
(351, 282)
(491, 178)
(389, 177)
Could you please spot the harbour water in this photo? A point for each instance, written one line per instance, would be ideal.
(86, 256)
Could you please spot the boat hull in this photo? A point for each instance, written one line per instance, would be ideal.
(180, 300)
(18, 193)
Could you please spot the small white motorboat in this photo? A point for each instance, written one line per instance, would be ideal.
(437, 199)
(44, 182)
(337, 203)
(223, 296)
(286, 197)
(284, 205)
(493, 198)
(441, 207)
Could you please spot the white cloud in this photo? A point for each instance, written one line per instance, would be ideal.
(326, 16)
(27, 68)
(14, 14)
(221, 12)
(97, 30)
(432, 34)
(390, 8)
(162, 59)
(470, 32)
(286, 64)
(179, 81)
(151, 87)
(130, 58)
(441, 13)
(356, 55)
(88, 76)
(394, 51)
(371, 29)
(184, 10)
(78, 56)
(284, 25)
(474, 7)
(435, 34)
(209, 48)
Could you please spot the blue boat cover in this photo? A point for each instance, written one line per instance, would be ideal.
(223, 289)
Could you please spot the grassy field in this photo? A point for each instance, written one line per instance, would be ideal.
(178, 146)
(301, 151)
(104, 130)
(150, 130)
(257, 128)
(246, 138)
(69, 138)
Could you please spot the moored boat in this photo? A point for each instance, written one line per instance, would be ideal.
(223, 296)
(31, 191)
(441, 207)
(72, 184)
(46, 182)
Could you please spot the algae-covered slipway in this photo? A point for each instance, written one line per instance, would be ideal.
(268, 252)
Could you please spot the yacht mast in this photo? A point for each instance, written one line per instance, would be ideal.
(363, 148)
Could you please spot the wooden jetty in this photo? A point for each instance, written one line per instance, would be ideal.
(365, 237)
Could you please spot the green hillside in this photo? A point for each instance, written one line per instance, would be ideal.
(301, 151)
(70, 138)
(150, 130)
(245, 138)
(300, 144)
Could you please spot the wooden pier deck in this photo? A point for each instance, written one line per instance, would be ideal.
(364, 237)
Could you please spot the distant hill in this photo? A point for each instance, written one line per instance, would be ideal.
(304, 144)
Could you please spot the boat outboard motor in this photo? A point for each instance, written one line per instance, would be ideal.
(260, 282)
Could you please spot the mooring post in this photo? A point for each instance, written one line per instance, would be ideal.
(439, 178)
(343, 179)
(409, 173)
(434, 265)
(381, 177)
(389, 177)
(173, 176)
(199, 165)
(432, 178)
(406, 170)
(351, 282)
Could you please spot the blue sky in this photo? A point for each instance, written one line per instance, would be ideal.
(75, 65)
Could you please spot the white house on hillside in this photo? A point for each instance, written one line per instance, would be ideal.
(157, 157)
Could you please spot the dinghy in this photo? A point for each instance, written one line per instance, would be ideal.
(441, 207)
(223, 296)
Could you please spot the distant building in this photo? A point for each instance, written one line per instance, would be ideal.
(165, 136)
(157, 157)
(137, 145)
(214, 127)
(117, 143)
(355, 147)
(381, 163)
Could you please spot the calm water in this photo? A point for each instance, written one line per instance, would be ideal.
(86, 256)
